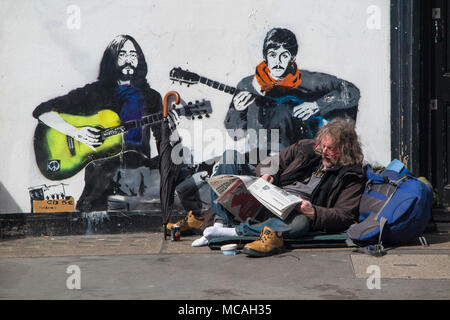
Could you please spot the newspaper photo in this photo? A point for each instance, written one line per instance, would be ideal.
(244, 196)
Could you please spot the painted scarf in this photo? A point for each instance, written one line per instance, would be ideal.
(291, 80)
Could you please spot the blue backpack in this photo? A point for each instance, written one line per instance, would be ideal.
(394, 208)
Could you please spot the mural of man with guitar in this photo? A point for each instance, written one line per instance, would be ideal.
(280, 96)
(297, 102)
(105, 121)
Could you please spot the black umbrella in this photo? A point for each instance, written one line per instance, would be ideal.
(167, 169)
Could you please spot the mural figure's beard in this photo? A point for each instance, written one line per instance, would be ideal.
(127, 72)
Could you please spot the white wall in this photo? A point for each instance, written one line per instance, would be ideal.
(220, 39)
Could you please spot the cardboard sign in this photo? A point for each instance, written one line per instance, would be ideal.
(54, 205)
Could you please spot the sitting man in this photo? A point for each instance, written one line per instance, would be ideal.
(325, 172)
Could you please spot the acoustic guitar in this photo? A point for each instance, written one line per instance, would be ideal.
(59, 156)
(277, 96)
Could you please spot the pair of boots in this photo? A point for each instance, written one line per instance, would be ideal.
(270, 242)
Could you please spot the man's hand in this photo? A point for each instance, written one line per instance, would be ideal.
(88, 135)
(305, 110)
(242, 100)
(306, 208)
(267, 177)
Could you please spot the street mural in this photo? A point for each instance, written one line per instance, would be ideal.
(106, 126)
(281, 96)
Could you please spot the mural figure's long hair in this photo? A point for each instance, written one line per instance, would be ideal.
(109, 71)
(342, 131)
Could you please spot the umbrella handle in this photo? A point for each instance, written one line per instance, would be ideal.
(166, 99)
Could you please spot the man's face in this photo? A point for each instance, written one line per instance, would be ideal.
(330, 152)
(127, 60)
(277, 61)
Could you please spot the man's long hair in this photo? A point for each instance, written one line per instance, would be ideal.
(109, 71)
(342, 132)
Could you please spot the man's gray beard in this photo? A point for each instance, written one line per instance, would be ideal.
(327, 162)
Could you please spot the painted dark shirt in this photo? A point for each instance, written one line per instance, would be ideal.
(131, 101)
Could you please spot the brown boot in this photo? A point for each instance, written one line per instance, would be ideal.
(270, 242)
(190, 223)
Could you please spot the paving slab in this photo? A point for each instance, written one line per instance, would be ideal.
(144, 243)
(404, 266)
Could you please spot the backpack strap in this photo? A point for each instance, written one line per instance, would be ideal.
(387, 200)
(378, 249)
(423, 241)
(400, 180)
(379, 246)
(375, 250)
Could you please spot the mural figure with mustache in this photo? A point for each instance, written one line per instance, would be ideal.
(281, 96)
(121, 87)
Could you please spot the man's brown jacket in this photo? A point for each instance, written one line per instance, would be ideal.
(335, 199)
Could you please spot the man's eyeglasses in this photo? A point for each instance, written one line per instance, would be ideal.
(318, 149)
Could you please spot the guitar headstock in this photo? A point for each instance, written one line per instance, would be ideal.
(192, 110)
(183, 76)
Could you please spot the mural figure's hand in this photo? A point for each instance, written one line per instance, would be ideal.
(242, 100)
(174, 119)
(88, 135)
(306, 110)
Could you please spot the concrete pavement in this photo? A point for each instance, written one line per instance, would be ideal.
(143, 266)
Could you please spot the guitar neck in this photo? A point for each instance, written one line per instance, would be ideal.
(217, 85)
(227, 89)
(149, 120)
(190, 78)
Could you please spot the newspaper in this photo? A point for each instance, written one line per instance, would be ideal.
(244, 196)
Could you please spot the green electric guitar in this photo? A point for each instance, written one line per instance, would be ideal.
(59, 156)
